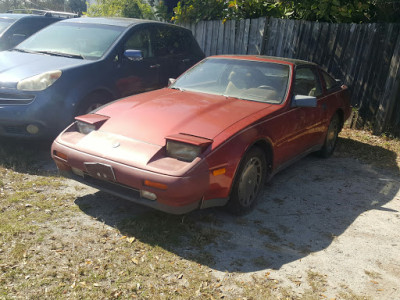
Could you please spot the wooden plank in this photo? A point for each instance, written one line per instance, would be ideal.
(255, 38)
(287, 39)
(271, 33)
(259, 43)
(227, 37)
(220, 44)
(207, 38)
(280, 36)
(391, 90)
(239, 43)
(232, 35)
(215, 37)
(246, 37)
(315, 41)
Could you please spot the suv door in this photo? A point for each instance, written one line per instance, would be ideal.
(176, 50)
(136, 76)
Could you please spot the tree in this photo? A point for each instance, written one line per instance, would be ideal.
(121, 8)
(334, 11)
(77, 6)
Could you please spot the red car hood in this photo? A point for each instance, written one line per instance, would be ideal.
(152, 116)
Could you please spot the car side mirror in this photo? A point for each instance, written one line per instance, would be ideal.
(171, 81)
(304, 101)
(133, 55)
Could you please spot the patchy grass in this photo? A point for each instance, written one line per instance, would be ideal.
(379, 151)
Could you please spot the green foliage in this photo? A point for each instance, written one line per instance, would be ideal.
(121, 8)
(198, 10)
(77, 6)
(161, 12)
(334, 11)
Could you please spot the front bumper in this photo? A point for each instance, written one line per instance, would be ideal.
(32, 115)
(183, 193)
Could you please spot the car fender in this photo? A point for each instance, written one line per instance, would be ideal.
(224, 161)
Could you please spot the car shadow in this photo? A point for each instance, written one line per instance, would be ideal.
(25, 156)
(300, 212)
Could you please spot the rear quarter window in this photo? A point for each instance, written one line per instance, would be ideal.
(330, 82)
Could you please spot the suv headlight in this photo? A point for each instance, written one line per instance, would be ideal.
(182, 151)
(39, 82)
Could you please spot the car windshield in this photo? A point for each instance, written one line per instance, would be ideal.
(87, 41)
(4, 23)
(243, 79)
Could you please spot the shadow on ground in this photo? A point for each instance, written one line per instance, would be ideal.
(300, 212)
(32, 157)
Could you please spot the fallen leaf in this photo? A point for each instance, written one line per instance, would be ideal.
(123, 237)
(131, 239)
(96, 284)
(135, 261)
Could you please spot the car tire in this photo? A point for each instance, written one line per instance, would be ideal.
(331, 137)
(92, 102)
(248, 183)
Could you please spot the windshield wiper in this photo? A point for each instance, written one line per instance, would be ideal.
(22, 50)
(55, 53)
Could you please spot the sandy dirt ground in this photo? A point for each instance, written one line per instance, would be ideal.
(337, 219)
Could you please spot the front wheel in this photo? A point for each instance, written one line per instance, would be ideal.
(92, 102)
(331, 137)
(248, 182)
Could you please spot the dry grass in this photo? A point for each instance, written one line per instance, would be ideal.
(50, 249)
(379, 151)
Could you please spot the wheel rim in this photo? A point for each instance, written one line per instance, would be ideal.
(250, 181)
(332, 135)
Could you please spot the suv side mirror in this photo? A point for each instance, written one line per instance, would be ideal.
(304, 101)
(133, 55)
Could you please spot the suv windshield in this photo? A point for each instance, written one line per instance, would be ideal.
(243, 79)
(88, 41)
(4, 23)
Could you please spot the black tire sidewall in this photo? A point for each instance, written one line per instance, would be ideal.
(325, 152)
(234, 206)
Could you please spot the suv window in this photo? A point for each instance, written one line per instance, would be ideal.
(140, 40)
(28, 26)
(171, 41)
(307, 82)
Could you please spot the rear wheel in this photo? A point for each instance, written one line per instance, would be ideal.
(331, 137)
(248, 182)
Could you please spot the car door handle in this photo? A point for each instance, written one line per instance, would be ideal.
(154, 66)
(186, 60)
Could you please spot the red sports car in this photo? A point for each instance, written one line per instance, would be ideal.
(212, 138)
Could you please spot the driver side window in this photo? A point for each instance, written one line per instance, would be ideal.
(140, 40)
(307, 83)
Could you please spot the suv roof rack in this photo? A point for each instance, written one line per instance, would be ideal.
(47, 13)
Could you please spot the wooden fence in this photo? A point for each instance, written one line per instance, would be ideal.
(365, 56)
